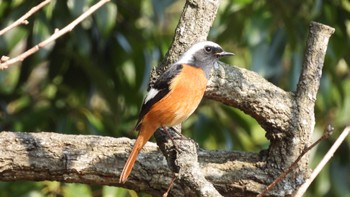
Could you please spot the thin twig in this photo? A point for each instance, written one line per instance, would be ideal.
(327, 132)
(323, 162)
(23, 19)
(169, 188)
(54, 36)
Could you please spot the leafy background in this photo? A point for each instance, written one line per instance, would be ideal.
(92, 80)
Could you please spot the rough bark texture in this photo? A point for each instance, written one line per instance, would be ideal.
(269, 105)
(288, 119)
(99, 161)
(194, 25)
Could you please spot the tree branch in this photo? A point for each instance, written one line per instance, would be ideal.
(58, 33)
(23, 20)
(323, 162)
(288, 119)
(326, 134)
(194, 25)
(99, 160)
(271, 106)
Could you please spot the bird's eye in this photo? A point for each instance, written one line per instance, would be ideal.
(208, 49)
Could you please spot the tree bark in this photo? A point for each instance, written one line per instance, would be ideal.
(194, 25)
(287, 117)
(99, 160)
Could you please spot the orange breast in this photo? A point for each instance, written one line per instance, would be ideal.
(186, 92)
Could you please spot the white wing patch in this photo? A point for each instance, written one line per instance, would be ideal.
(151, 94)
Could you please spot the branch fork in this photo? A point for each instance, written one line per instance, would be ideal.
(204, 173)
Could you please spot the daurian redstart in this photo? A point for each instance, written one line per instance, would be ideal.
(175, 95)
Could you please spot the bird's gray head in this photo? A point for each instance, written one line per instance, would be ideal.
(204, 55)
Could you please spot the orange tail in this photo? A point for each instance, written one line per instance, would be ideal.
(145, 133)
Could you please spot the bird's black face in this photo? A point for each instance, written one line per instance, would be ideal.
(216, 51)
(210, 50)
(203, 55)
(209, 54)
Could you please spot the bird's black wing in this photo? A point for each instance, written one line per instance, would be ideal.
(160, 88)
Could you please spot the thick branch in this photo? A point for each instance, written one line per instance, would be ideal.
(194, 25)
(311, 73)
(310, 78)
(288, 118)
(99, 161)
(271, 106)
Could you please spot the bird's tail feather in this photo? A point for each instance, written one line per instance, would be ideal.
(145, 133)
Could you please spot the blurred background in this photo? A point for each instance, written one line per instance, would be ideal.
(92, 80)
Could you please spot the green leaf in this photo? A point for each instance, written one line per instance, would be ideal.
(106, 18)
(73, 190)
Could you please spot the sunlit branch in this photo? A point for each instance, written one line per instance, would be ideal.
(323, 162)
(57, 34)
(23, 19)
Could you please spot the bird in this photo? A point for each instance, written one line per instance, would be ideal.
(175, 95)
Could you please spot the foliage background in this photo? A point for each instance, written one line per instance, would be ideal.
(92, 80)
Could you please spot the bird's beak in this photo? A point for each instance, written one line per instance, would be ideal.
(224, 53)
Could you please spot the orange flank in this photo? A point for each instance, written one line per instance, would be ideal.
(186, 92)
